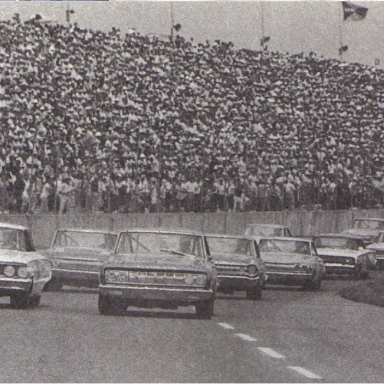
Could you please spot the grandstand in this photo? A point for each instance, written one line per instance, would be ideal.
(95, 121)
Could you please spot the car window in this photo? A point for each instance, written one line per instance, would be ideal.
(77, 239)
(368, 224)
(285, 246)
(158, 243)
(337, 243)
(230, 246)
(13, 239)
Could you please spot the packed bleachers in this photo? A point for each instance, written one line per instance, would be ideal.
(95, 121)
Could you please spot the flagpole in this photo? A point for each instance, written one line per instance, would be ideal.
(341, 34)
(262, 24)
(172, 21)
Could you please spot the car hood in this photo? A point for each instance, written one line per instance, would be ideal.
(339, 252)
(286, 258)
(77, 253)
(164, 260)
(376, 247)
(362, 232)
(225, 258)
(8, 256)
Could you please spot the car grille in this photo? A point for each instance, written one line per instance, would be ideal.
(281, 268)
(230, 270)
(154, 278)
(338, 260)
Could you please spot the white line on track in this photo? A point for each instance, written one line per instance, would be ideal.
(226, 326)
(245, 337)
(305, 372)
(270, 352)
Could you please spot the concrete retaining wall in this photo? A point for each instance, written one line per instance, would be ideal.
(301, 223)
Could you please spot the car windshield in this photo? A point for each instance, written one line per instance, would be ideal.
(368, 224)
(157, 243)
(13, 239)
(337, 242)
(380, 239)
(285, 246)
(78, 239)
(225, 245)
(254, 230)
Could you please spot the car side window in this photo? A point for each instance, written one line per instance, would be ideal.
(21, 243)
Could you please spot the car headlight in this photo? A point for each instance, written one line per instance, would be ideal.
(201, 280)
(23, 272)
(252, 270)
(304, 266)
(116, 276)
(9, 271)
(189, 279)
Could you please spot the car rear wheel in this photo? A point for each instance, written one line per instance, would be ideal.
(204, 309)
(254, 293)
(24, 301)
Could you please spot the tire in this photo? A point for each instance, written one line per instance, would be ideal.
(311, 285)
(21, 301)
(359, 273)
(254, 293)
(316, 285)
(104, 305)
(204, 309)
(34, 301)
(53, 286)
(118, 307)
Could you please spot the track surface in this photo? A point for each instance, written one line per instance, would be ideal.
(288, 336)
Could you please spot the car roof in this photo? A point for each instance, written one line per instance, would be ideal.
(286, 238)
(13, 226)
(162, 230)
(266, 225)
(370, 219)
(87, 230)
(339, 235)
(240, 237)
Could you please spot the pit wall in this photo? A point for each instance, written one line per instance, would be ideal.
(301, 223)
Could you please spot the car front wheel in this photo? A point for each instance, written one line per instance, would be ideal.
(312, 285)
(360, 273)
(53, 286)
(254, 293)
(204, 309)
(104, 305)
(24, 301)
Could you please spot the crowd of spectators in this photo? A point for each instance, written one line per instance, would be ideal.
(93, 121)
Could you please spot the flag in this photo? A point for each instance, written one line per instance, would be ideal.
(343, 49)
(353, 12)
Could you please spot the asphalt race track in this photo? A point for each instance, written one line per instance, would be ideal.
(288, 336)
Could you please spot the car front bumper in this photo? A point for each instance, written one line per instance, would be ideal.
(339, 269)
(175, 295)
(239, 282)
(10, 286)
(288, 278)
(76, 278)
